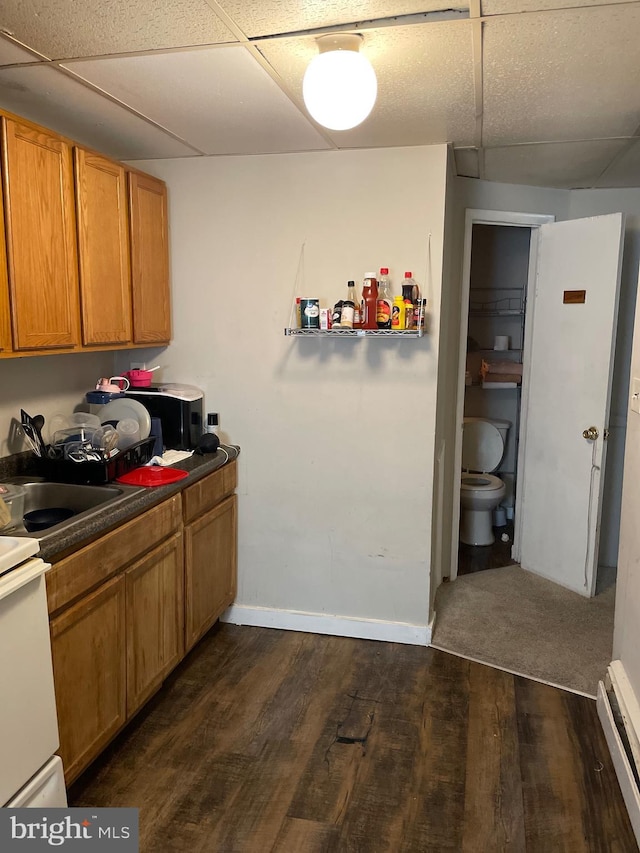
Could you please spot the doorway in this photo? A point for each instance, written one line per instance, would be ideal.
(496, 317)
(567, 366)
(498, 271)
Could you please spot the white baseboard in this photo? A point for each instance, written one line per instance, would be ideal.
(321, 623)
(621, 764)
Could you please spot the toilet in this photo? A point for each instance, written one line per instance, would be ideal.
(483, 445)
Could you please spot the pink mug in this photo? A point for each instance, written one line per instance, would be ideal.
(111, 386)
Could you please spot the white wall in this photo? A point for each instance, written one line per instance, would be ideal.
(337, 436)
(449, 324)
(626, 640)
(45, 385)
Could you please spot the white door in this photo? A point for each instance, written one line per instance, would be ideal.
(561, 473)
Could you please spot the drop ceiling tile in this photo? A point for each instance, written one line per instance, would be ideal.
(13, 54)
(221, 100)
(625, 170)
(67, 28)
(562, 75)
(509, 7)
(266, 17)
(467, 165)
(565, 165)
(54, 100)
(425, 84)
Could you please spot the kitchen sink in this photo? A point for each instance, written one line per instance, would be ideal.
(68, 495)
(83, 500)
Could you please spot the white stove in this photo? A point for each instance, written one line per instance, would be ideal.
(30, 773)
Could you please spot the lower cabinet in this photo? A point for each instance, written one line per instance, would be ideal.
(89, 669)
(210, 568)
(155, 620)
(126, 608)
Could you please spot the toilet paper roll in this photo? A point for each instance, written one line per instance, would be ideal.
(501, 342)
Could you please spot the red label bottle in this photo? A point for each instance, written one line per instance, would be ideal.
(370, 301)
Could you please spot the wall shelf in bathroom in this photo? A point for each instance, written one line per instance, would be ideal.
(499, 352)
(496, 313)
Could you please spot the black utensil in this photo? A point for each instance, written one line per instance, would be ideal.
(30, 431)
(38, 423)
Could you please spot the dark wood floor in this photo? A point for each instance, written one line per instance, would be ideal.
(477, 558)
(268, 740)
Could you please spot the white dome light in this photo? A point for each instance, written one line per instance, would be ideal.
(339, 86)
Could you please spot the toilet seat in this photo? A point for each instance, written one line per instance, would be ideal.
(471, 482)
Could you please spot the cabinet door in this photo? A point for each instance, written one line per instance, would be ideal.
(149, 259)
(89, 670)
(41, 238)
(210, 568)
(155, 620)
(5, 313)
(103, 245)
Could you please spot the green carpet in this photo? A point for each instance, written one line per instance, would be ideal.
(515, 620)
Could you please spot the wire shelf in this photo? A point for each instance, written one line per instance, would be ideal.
(355, 333)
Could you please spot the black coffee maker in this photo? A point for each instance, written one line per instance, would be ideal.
(180, 410)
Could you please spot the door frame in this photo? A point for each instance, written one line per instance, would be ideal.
(489, 217)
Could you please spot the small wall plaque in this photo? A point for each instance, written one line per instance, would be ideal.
(574, 297)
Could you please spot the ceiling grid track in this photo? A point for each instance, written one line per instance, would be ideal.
(267, 67)
(475, 13)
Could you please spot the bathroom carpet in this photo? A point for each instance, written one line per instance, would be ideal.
(517, 621)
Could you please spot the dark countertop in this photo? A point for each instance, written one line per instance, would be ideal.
(79, 531)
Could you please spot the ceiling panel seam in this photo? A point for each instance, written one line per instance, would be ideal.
(78, 79)
(526, 12)
(614, 160)
(420, 19)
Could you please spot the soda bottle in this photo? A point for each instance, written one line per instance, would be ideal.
(385, 301)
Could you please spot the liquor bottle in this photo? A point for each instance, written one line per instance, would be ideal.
(385, 300)
(357, 307)
(348, 307)
(369, 301)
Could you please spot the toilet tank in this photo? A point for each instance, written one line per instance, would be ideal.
(502, 426)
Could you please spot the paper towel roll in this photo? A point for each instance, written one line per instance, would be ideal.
(501, 342)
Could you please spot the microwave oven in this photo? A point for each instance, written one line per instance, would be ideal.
(180, 410)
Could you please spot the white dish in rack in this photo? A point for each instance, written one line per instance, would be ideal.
(123, 408)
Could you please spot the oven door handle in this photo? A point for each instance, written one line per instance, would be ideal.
(13, 580)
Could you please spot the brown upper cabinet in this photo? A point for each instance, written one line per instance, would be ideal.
(5, 314)
(85, 265)
(41, 237)
(103, 249)
(149, 259)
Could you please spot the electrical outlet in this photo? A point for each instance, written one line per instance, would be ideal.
(137, 365)
(635, 395)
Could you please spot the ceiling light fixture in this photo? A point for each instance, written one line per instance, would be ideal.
(339, 86)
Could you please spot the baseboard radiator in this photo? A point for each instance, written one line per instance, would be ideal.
(619, 714)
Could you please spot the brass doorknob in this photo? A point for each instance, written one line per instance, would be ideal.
(591, 433)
